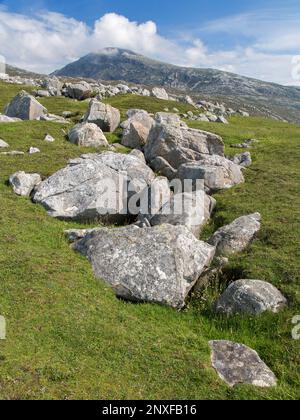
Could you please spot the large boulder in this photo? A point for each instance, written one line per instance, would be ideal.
(236, 236)
(94, 187)
(179, 145)
(25, 107)
(80, 91)
(237, 364)
(217, 172)
(160, 93)
(105, 116)
(23, 184)
(250, 297)
(87, 135)
(53, 85)
(159, 265)
(137, 129)
(190, 209)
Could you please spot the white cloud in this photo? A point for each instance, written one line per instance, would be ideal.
(48, 41)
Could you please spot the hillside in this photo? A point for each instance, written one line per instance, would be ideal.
(118, 64)
(69, 337)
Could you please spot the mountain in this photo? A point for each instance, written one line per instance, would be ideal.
(118, 64)
(15, 71)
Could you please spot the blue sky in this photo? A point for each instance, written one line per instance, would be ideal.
(257, 38)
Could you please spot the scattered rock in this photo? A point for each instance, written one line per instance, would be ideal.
(94, 187)
(3, 144)
(49, 138)
(250, 297)
(192, 210)
(25, 107)
(237, 364)
(23, 184)
(12, 153)
(178, 145)
(243, 159)
(105, 116)
(79, 91)
(217, 172)
(237, 236)
(87, 135)
(33, 150)
(161, 265)
(136, 129)
(222, 120)
(160, 93)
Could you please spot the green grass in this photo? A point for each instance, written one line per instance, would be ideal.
(68, 337)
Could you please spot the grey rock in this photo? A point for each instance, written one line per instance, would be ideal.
(12, 153)
(23, 184)
(52, 84)
(3, 144)
(236, 236)
(179, 145)
(237, 364)
(243, 159)
(250, 297)
(6, 119)
(87, 135)
(161, 166)
(160, 93)
(25, 107)
(94, 187)
(137, 129)
(161, 265)
(79, 91)
(221, 119)
(48, 138)
(42, 93)
(216, 171)
(105, 116)
(33, 150)
(138, 154)
(192, 210)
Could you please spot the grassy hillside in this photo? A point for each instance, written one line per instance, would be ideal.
(69, 337)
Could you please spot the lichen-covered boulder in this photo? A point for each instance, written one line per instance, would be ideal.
(103, 115)
(159, 264)
(23, 184)
(87, 135)
(250, 297)
(25, 107)
(236, 236)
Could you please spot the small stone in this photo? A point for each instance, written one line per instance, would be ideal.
(49, 138)
(23, 184)
(3, 144)
(33, 150)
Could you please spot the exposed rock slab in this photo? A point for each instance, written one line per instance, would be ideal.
(237, 364)
(158, 265)
(250, 297)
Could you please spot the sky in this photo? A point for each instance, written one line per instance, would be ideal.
(257, 38)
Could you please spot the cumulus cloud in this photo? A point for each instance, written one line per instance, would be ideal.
(47, 41)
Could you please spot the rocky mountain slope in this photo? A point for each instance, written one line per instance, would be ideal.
(118, 64)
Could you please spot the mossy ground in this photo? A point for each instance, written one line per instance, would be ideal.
(68, 337)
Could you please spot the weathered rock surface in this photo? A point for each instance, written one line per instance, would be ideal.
(25, 107)
(179, 145)
(216, 171)
(105, 116)
(23, 184)
(137, 129)
(49, 138)
(33, 150)
(237, 364)
(3, 144)
(160, 93)
(158, 265)
(53, 85)
(192, 210)
(243, 159)
(6, 119)
(250, 297)
(79, 91)
(94, 186)
(237, 236)
(138, 154)
(87, 135)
